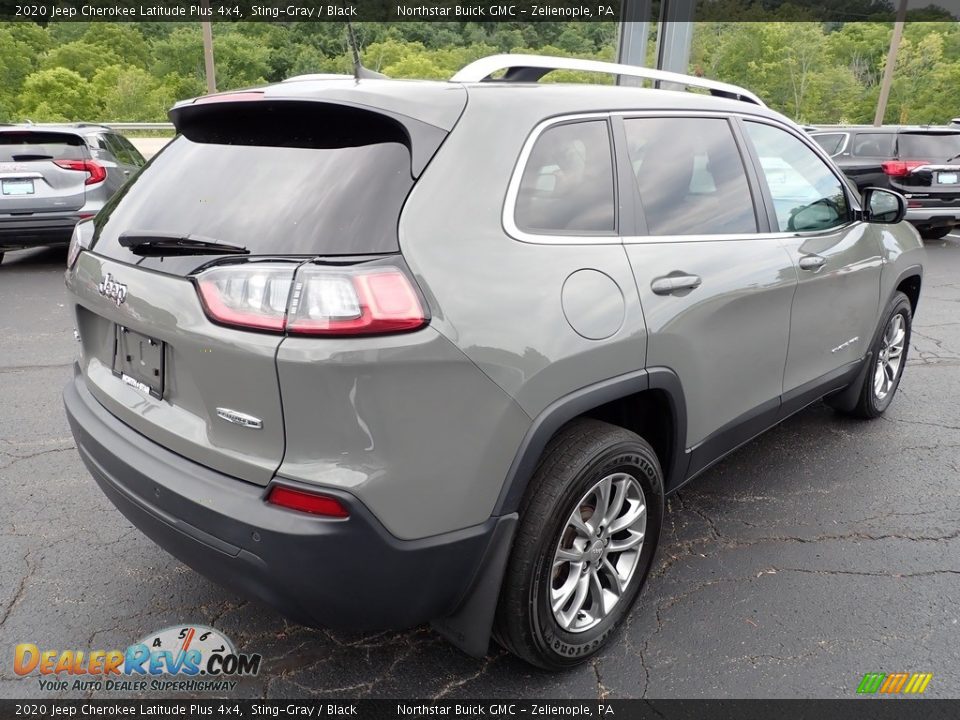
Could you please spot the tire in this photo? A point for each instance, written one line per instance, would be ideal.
(875, 397)
(936, 233)
(1, 258)
(582, 458)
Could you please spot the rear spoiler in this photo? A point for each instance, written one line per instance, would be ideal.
(249, 118)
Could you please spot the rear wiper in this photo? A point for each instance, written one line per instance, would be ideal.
(953, 158)
(162, 245)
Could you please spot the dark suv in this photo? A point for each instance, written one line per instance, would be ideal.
(923, 163)
(53, 176)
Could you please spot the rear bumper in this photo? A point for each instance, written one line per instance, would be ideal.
(349, 574)
(934, 217)
(29, 231)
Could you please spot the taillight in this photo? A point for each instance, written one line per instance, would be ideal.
(308, 502)
(900, 168)
(80, 240)
(95, 171)
(312, 300)
(249, 296)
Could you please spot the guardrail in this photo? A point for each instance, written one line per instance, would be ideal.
(136, 125)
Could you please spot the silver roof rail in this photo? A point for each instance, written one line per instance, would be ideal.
(530, 68)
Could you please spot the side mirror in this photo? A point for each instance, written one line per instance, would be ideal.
(883, 206)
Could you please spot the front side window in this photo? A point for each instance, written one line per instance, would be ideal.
(690, 176)
(567, 185)
(806, 195)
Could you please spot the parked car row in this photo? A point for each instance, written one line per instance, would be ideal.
(53, 176)
(921, 162)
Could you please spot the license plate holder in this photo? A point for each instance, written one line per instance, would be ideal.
(138, 361)
(948, 178)
(17, 187)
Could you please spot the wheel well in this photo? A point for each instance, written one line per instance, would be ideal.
(648, 414)
(911, 288)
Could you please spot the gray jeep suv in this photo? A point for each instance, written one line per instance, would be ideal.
(380, 353)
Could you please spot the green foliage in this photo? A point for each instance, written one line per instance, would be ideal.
(814, 72)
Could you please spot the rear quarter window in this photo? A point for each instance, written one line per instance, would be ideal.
(874, 145)
(27, 146)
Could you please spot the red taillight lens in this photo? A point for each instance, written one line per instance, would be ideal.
(308, 502)
(249, 296)
(95, 171)
(320, 300)
(380, 300)
(900, 168)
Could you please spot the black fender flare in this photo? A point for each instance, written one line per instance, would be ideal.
(469, 626)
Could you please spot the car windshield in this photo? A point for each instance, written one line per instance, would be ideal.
(26, 146)
(935, 147)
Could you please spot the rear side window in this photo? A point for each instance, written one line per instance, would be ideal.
(806, 195)
(27, 146)
(334, 187)
(567, 184)
(690, 176)
(874, 145)
(832, 143)
(126, 152)
(934, 147)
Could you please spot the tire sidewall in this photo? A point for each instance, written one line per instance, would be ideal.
(566, 648)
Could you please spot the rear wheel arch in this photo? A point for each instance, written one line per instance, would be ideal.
(648, 402)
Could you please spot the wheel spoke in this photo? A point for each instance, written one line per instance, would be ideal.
(577, 523)
(635, 539)
(636, 508)
(579, 597)
(560, 596)
(603, 503)
(616, 505)
(611, 572)
(565, 555)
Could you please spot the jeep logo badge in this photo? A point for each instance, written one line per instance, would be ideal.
(110, 288)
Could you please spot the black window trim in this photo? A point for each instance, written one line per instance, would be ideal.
(508, 219)
(853, 202)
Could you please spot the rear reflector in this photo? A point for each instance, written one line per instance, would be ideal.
(308, 502)
(365, 299)
(95, 171)
(900, 168)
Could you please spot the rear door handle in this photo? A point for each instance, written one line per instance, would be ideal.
(812, 262)
(673, 283)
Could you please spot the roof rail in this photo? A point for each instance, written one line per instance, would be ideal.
(530, 68)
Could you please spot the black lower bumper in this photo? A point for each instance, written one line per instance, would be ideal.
(36, 230)
(350, 574)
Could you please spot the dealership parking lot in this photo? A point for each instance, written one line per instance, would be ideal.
(825, 549)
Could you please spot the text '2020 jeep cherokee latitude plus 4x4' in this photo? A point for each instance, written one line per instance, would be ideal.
(381, 352)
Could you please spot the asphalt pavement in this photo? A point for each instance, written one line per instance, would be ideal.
(823, 550)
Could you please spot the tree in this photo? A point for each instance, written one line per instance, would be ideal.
(56, 94)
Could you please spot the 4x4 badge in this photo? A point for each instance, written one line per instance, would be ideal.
(110, 288)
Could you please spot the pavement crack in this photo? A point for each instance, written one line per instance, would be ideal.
(21, 589)
(461, 681)
(602, 690)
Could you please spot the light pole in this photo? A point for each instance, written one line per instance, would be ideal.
(208, 52)
(891, 62)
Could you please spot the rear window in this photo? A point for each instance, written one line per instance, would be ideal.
(935, 147)
(27, 146)
(339, 196)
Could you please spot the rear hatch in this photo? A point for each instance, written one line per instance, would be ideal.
(41, 172)
(927, 167)
(274, 186)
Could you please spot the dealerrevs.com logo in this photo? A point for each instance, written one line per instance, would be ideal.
(192, 658)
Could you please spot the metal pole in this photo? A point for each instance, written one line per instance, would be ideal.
(208, 54)
(632, 36)
(674, 36)
(891, 63)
